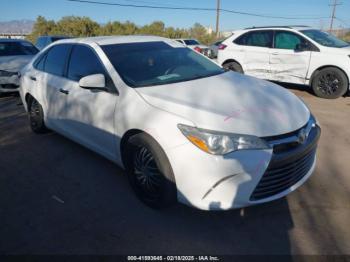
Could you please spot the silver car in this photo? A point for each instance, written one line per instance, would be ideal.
(14, 55)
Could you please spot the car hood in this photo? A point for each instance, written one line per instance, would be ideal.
(231, 102)
(339, 51)
(14, 63)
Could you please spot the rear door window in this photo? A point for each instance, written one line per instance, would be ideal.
(56, 58)
(256, 38)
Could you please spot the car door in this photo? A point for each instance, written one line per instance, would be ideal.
(287, 62)
(255, 46)
(90, 113)
(53, 83)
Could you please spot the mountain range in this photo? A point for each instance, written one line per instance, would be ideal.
(16, 26)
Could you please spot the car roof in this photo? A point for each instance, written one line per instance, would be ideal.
(290, 27)
(278, 26)
(110, 40)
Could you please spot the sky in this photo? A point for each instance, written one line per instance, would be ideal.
(55, 9)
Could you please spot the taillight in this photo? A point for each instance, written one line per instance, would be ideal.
(222, 47)
(198, 49)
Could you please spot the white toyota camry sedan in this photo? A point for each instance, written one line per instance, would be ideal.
(183, 128)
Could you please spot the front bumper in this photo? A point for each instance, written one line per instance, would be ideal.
(241, 178)
(9, 88)
(9, 83)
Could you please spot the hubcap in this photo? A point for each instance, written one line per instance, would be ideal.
(147, 174)
(329, 83)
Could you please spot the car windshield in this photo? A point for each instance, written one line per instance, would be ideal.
(158, 63)
(324, 38)
(191, 42)
(17, 48)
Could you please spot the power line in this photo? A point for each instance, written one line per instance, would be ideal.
(195, 9)
(342, 21)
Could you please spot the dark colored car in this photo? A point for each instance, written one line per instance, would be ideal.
(44, 41)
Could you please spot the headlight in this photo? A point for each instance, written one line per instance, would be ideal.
(4, 73)
(217, 143)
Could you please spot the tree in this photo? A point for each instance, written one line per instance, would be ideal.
(130, 28)
(200, 33)
(156, 28)
(76, 26)
(347, 37)
(41, 27)
(113, 28)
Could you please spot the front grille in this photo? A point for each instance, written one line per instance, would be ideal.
(287, 169)
(9, 86)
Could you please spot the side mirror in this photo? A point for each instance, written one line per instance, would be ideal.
(93, 82)
(304, 46)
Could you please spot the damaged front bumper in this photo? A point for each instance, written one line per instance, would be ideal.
(9, 81)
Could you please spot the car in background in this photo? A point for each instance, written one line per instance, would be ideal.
(196, 45)
(14, 55)
(214, 49)
(292, 54)
(183, 128)
(46, 40)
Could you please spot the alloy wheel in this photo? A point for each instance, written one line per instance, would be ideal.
(329, 83)
(34, 114)
(148, 176)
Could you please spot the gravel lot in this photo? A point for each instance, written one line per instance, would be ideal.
(57, 197)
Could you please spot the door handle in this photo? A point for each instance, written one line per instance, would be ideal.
(63, 91)
(32, 78)
(275, 53)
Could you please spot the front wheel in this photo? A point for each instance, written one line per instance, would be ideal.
(233, 66)
(36, 117)
(330, 83)
(150, 173)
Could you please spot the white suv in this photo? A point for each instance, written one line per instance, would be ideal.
(292, 54)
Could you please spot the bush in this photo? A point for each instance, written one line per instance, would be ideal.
(76, 26)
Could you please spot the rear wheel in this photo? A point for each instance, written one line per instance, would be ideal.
(149, 172)
(233, 66)
(330, 83)
(36, 117)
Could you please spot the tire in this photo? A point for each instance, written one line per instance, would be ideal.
(330, 83)
(36, 117)
(149, 172)
(233, 66)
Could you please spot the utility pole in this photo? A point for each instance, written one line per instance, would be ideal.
(217, 17)
(335, 4)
